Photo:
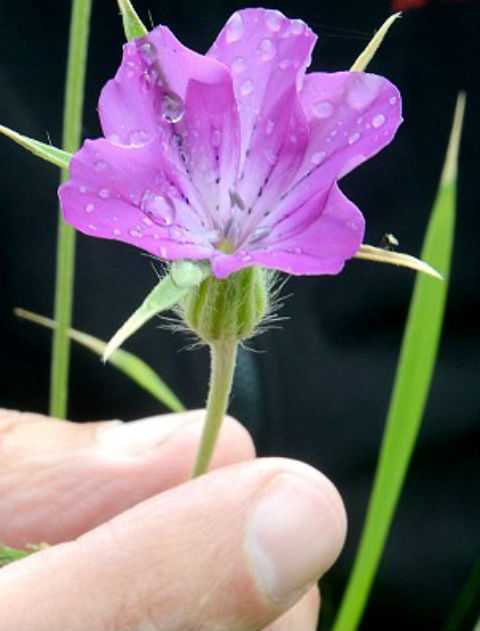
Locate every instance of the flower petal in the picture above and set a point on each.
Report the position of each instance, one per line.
(267, 54)
(352, 116)
(164, 90)
(320, 246)
(273, 163)
(150, 87)
(208, 141)
(132, 194)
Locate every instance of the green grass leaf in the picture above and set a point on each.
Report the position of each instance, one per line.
(58, 157)
(132, 24)
(183, 276)
(411, 387)
(9, 555)
(131, 365)
(466, 604)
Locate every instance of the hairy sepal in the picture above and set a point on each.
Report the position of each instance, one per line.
(58, 157)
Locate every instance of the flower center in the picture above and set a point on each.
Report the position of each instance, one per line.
(225, 246)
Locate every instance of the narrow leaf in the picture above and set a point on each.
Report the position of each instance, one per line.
(40, 149)
(170, 290)
(9, 555)
(132, 24)
(380, 255)
(411, 387)
(367, 55)
(131, 365)
(465, 608)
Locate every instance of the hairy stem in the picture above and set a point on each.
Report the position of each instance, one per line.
(223, 358)
(72, 125)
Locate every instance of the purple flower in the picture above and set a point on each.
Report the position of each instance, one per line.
(232, 156)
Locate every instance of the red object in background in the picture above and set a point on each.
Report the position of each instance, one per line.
(404, 5)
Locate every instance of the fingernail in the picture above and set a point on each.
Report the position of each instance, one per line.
(145, 433)
(293, 536)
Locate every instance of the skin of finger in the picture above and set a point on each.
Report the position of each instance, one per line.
(174, 562)
(301, 617)
(58, 480)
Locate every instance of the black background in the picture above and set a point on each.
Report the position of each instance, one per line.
(320, 388)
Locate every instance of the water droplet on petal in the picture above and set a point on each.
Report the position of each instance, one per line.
(260, 233)
(274, 20)
(353, 138)
(116, 232)
(266, 50)
(147, 52)
(104, 193)
(363, 90)
(318, 157)
(173, 108)
(378, 121)
(82, 189)
(351, 164)
(115, 139)
(89, 208)
(283, 65)
(297, 26)
(323, 109)
(163, 252)
(147, 221)
(246, 88)
(392, 100)
(138, 137)
(159, 208)
(246, 258)
(270, 156)
(269, 127)
(234, 28)
(216, 137)
(177, 234)
(239, 65)
(213, 236)
(353, 225)
(134, 232)
(92, 226)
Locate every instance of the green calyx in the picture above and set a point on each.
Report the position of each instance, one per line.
(229, 309)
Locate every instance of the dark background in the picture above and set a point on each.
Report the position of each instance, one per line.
(320, 388)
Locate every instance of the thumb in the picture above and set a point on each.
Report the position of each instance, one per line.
(233, 550)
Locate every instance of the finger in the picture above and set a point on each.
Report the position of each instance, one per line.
(303, 616)
(60, 479)
(233, 550)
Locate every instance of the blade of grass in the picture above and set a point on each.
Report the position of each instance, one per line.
(72, 124)
(132, 24)
(9, 555)
(467, 604)
(412, 383)
(131, 365)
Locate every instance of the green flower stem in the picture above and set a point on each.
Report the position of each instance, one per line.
(223, 358)
(72, 126)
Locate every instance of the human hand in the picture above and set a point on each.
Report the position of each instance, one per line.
(146, 549)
